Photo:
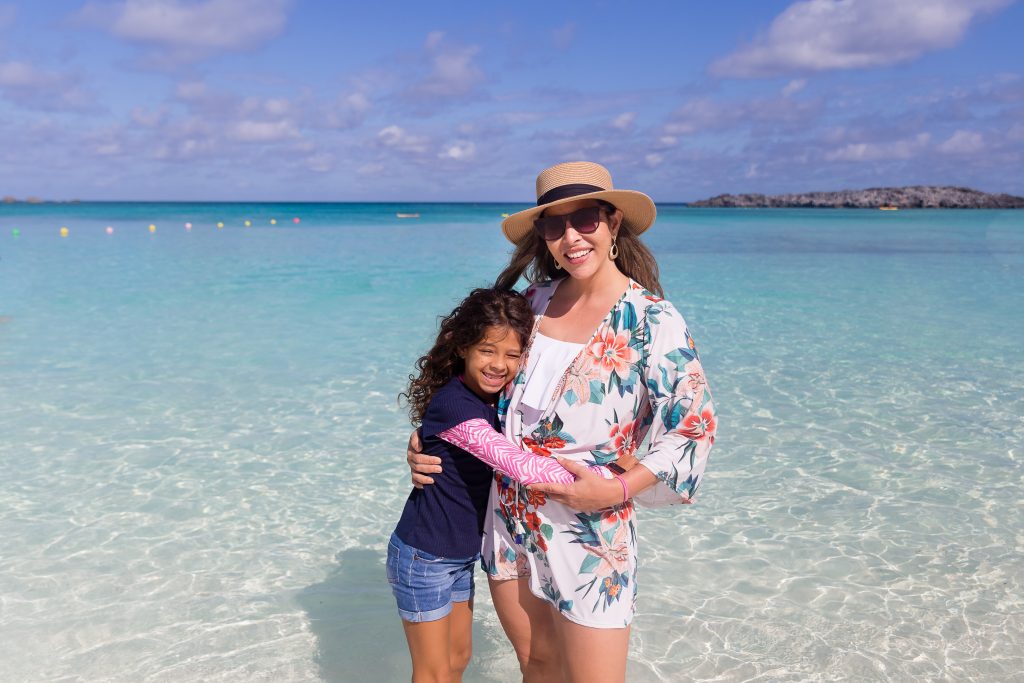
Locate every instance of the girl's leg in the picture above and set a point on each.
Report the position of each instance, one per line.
(429, 643)
(528, 622)
(441, 649)
(460, 639)
(593, 655)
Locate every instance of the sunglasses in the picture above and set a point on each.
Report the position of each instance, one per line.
(583, 221)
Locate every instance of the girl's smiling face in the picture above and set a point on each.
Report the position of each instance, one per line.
(492, 362)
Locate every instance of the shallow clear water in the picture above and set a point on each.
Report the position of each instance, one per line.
(201, 455)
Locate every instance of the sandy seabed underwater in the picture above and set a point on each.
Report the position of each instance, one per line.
(201, 454)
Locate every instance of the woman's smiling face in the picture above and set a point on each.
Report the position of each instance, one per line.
(580, 255)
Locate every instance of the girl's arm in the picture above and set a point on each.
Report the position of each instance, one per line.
(478, 438)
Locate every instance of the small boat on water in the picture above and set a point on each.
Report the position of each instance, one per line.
(407, 215)
(889, 208)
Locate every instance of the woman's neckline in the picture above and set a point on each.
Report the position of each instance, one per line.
(559, 341)
(604, 321)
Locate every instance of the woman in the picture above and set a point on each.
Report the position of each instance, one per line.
(609, 363)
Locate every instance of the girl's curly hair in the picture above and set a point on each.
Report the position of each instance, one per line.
(460, 329)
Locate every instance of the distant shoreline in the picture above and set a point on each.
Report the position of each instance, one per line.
(911, 197)
(892, 198)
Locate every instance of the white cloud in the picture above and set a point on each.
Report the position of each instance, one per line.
(398, 138)
(348, 110)
(705, 114)
(463, 150)
(191, 31)
(453, 73)
(702, 114)
(624, 121)
(794, 86)
(22, 75)
(263, 131)
(963, 142)
(821, 35)
(653, 160)
(906, 148)
(277, 106)
(34, 87)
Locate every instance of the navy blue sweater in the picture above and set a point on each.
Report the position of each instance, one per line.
(446, 518)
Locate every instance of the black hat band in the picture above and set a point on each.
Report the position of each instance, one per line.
(563, 191)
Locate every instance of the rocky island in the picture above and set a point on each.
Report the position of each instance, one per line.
(912, 197)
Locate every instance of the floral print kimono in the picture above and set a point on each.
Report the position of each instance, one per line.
(638, 375)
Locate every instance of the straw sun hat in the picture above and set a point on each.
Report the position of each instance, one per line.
(575, 180)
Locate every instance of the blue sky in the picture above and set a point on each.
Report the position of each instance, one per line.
(452, 100)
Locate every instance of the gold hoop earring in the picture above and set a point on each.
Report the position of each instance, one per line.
(613, 253)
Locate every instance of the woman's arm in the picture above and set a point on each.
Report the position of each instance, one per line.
(591, 492)
(421, 465)
(477, 437)
(684, 424)
(683, 430)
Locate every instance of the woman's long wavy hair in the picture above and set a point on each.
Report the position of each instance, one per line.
(531, 256)
(460, 329)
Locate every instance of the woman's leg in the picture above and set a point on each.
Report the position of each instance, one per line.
(528, 622)
(593, 655)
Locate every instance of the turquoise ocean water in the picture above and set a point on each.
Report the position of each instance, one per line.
(201, 454)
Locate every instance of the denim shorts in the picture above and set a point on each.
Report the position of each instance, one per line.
(426, 585)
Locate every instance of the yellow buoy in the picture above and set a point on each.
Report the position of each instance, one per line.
(248, 224)
(63, 232)
(504, 215)
(220, 225)
(152, 228)
(273, 221)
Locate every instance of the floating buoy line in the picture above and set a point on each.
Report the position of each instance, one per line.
(64, 231)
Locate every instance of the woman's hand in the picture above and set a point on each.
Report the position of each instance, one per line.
(590, 491)
(420, 465)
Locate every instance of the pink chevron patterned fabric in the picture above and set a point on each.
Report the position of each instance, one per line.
(479, 438)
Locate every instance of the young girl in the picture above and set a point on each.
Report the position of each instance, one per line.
(433, 550)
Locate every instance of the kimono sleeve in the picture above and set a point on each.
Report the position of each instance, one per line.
(683, 413)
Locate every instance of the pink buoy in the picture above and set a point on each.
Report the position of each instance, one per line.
(110, 230)
(295, 220)
(188, 226)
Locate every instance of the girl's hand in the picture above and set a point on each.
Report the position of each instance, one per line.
(589, 493)
(420, 465)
